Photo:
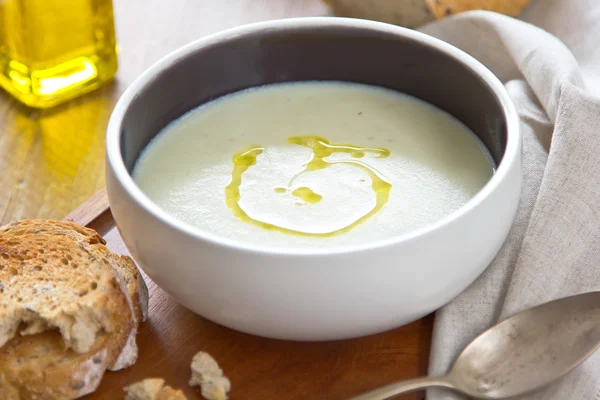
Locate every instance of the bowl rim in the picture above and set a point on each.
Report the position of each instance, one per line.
(114, 159)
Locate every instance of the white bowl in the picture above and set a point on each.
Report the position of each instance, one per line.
(315, 294)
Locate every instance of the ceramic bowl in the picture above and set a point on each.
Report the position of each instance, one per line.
(315, 294)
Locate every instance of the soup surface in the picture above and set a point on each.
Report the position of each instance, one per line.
(313, 164)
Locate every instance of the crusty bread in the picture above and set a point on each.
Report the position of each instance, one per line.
(152, 389)
(39, 367)
(126, 270)
(413, 13)
(50, 277)
(123, 265)
(208, 376)
(443, 8)
(408, 13)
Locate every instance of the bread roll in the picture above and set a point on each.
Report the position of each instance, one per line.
(413, 13)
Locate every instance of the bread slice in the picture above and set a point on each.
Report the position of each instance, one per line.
(126, 270)
(65, 277)
(39, 367)
(50, 278)
(152, 389)
(123, 265)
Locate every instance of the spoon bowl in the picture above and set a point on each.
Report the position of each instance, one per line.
(519, 355)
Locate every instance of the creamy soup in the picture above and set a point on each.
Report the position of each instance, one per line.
(313, 164)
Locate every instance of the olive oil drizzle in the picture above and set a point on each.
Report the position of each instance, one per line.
(307, 195)
(321, 149)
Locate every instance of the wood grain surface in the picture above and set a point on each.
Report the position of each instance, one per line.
(53, 160)
(259, 368)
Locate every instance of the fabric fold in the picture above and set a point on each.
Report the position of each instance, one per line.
(553, 249)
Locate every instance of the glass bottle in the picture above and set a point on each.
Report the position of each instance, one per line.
(54, 50)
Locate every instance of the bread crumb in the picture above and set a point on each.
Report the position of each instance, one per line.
(152, 389)
(144, 390)
(207, 375)
(168, 393)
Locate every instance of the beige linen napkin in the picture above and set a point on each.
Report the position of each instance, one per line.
(553, 249)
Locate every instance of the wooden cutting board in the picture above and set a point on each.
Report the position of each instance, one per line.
(259, 368)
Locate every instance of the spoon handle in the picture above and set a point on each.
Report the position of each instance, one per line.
(402, 387)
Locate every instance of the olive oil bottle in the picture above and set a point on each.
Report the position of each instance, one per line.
(54, 50)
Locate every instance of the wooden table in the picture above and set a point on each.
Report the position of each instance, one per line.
(51, 161)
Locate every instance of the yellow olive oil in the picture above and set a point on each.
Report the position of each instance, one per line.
(54, 50)
(321, 149)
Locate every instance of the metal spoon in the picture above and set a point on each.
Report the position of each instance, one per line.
(519, 355)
